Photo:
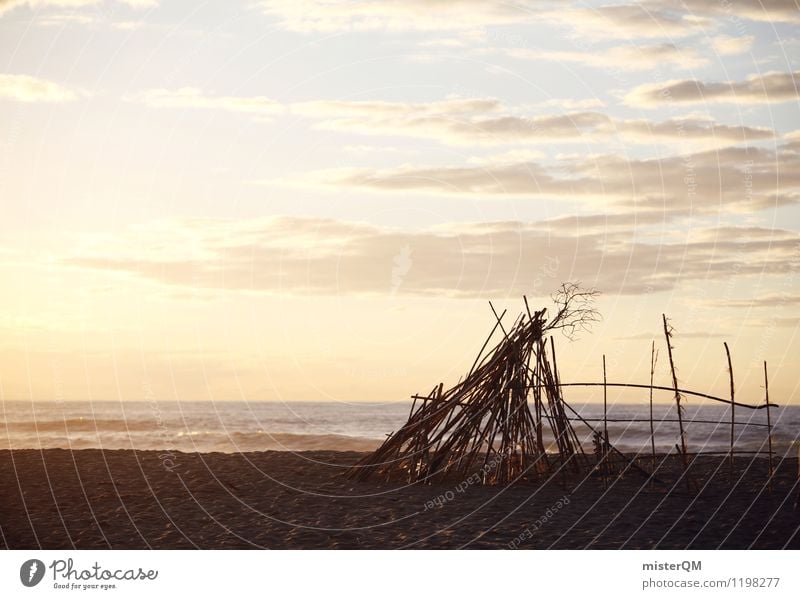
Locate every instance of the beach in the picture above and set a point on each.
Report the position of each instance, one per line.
(125, 499)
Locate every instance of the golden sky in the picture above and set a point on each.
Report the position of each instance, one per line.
(317, 199)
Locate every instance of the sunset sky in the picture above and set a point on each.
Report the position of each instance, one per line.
(317, 199)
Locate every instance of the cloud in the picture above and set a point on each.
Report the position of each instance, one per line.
(741, 179)
(190, 97)
(768, 300)
(639, 20)
(505, 128)
(24, 88)
(580, 224)
(359, 111)
(7, 5)
(463, 121)
(769, 87)
(792, 141)
(632, 21)
(382, 109)
(96, 19)
(670, 19)
(647, 19)
(491, 259)
(365, 15)
(569, 103)
(725, 45)
(774, 11)
(624, 58)
(689, 129)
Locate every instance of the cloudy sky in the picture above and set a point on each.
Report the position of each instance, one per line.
(317, 199)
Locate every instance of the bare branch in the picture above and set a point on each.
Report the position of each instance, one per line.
(575, 311)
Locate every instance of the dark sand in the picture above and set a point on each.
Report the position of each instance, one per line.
(57, 499)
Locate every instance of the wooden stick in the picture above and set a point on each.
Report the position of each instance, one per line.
(413, 405)
(733, 408)
(485, 343)
(560, 417)
(499, 319)
(769, 428)
(671, 389)
(555, 364)
(605, 425)
(527, 307)
(738, 422)
(605, 400)
(677, 399)
(652, 429)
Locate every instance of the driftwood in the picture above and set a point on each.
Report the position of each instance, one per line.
(733, 408)
(682, 447)
(672, 389)
(770, 472)
(653, 359)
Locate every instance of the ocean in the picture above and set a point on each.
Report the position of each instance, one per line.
(297, 426)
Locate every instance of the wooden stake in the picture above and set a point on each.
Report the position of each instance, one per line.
(605, 424)
(769, 428)
(677, 400)
(733, 410)
(605, 400)
(652, 429)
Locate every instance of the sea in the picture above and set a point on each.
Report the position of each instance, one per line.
(231, 426)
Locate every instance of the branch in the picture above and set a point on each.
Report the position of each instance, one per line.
(575, 311)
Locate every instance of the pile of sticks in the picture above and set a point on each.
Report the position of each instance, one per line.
(489, 424)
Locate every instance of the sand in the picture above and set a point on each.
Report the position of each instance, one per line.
(57, 499)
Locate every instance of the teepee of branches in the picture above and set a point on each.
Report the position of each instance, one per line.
(506, 419)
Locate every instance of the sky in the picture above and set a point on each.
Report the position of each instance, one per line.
(318, 199)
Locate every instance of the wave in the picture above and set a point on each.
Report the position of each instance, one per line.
(79, 424)
(192, 441)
